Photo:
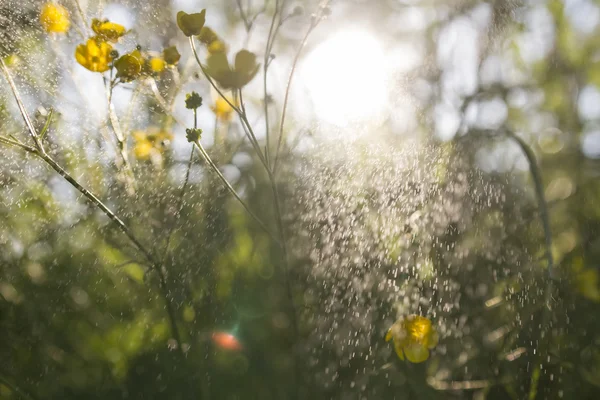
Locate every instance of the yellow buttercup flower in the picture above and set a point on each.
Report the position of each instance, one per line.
(94, 55)
(157, 64)
(150, 145)
(54, 18)
(413, 337)
(222, 109)
(108, 31)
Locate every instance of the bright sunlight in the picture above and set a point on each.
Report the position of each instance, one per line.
(346, 78)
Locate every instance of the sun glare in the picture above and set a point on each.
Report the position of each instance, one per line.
(345, 77)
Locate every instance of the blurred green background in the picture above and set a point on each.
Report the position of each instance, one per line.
(419, 205)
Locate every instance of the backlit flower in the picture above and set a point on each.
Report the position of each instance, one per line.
(413, 337)
(108, 31)
(236, 76)
(222, 109)
(213, 44)
(94, 55)
(151, 145)
(54, 18)
(191, 24)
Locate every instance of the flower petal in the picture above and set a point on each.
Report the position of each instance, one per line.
(416, 353)
(399, 351)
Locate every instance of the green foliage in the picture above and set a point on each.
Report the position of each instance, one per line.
(372, 236)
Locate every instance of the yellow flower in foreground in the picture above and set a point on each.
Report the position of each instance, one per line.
(413, 337)
(222, 109)
(94, 55)
(108, 31)
(54, 18)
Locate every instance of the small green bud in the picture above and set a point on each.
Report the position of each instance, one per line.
(193, 101)
(193, 135)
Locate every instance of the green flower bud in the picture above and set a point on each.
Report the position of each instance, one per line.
(193, 135)
(193, 101)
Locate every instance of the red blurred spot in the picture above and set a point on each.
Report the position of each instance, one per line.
(226, 341)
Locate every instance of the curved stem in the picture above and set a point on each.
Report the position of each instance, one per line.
(287, 93)
(121, 143)
(41, 153)
(245, 123)
(539, 191)
(545, 218)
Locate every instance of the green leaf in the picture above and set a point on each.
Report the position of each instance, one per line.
(47, 124)
(191, 24)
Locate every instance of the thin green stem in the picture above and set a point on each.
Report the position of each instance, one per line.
(245, 123)
(536, 175)
(218, 172)
(179, 206)
(266, 63)
(121, 142)
(11, 142)
(287, 93)
(21, 105)
(41, 153)
(46, 125)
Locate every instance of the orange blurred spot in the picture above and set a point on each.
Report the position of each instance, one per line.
(226, 341)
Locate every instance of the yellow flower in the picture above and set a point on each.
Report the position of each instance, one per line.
(216, 47)
(150, 145)
(94, 55)
(222, 109)
(588, 284)
(143, 150)
(108, 31)
(54, 18)
(157, 64)
(413, 337)
(129, 66)
(212, 41)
